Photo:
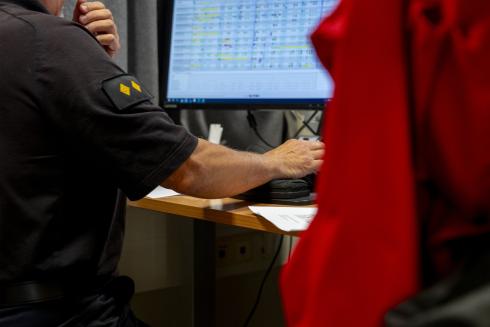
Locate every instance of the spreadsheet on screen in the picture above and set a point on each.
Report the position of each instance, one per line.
(246, 49)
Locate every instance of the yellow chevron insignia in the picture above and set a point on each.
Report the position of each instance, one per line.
(124, 92)
(136, 86)
(124, 89)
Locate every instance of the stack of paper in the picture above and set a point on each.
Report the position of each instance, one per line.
(287, 218)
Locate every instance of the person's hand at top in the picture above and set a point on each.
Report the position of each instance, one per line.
(295, 158)
(99, 21)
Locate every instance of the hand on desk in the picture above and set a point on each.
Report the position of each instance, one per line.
(214, 171)
(296, 159)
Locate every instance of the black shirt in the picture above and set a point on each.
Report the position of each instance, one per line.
(67, 143)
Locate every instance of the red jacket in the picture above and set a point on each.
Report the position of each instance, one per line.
(408, 145)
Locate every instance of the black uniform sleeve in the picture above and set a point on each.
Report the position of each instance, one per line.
(105, 113)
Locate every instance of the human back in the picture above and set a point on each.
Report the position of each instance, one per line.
(45, 172)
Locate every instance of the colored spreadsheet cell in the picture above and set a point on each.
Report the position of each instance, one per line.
(245, 35)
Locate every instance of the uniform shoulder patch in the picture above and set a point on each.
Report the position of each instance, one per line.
(125, 91)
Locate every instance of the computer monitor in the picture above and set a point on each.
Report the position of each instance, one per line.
(242, 54)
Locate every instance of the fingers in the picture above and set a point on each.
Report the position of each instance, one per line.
(296, 158)
(105, 26)
(90, 6)
(309, 144)
(107, 40)
(317, 164)
(106, 33)
(95, 15)
(318, 154)
(315, 145)
(99, 21)
(77, 12)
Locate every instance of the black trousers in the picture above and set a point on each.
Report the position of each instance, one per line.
(108, 307)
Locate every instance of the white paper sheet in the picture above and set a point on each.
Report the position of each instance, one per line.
(161, 192)
(287, 218)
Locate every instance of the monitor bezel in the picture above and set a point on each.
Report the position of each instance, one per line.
(165, 22)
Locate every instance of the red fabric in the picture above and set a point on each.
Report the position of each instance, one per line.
(360, 255)
(451, 60)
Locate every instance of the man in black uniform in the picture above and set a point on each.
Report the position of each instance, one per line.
(73, 125)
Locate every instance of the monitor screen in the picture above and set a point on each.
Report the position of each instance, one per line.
(244, 54)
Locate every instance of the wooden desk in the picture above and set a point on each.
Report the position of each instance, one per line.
(228, 211)
(206, 213)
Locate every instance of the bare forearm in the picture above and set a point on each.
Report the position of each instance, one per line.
(214, 171)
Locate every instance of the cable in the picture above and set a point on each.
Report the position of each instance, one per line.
(253, 125)
(306, 124)
(261, 288)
